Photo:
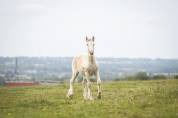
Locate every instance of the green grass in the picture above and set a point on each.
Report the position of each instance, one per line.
(121, 99)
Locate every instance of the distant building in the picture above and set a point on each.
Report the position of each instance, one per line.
(16, 66)
(15, 75)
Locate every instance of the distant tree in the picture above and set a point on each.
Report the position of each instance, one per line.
(138, 76)
(142, 76)
(2, 81)
(176, 77)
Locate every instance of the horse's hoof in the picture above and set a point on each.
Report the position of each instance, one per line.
(99, 96)
(70, 96)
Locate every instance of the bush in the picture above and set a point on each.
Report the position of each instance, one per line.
(136, 76)
(159, 77)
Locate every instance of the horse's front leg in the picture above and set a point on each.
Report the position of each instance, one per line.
(98, 83)
(71, 90)
(85, 88)
(89, 94)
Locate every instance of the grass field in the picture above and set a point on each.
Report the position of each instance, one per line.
(121, 99)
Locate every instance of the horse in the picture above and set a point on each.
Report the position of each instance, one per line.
(86, 65)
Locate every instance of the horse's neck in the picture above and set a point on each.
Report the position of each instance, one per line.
(91, 59)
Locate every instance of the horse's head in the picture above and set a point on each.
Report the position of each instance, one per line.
(90, 45)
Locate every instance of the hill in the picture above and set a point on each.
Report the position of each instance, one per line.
(57, 68)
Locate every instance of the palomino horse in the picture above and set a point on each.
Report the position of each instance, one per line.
(86, 65)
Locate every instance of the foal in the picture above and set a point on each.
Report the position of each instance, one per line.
(86, 65)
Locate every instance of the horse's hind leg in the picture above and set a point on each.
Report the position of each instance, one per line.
(71, 90)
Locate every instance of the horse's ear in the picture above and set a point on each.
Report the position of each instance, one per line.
(86, 39)
(93, 38)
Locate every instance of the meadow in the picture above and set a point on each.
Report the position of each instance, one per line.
(120, 99)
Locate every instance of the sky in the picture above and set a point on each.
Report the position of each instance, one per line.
(122, 28)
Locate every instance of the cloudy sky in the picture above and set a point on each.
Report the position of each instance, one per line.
(122, 28)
